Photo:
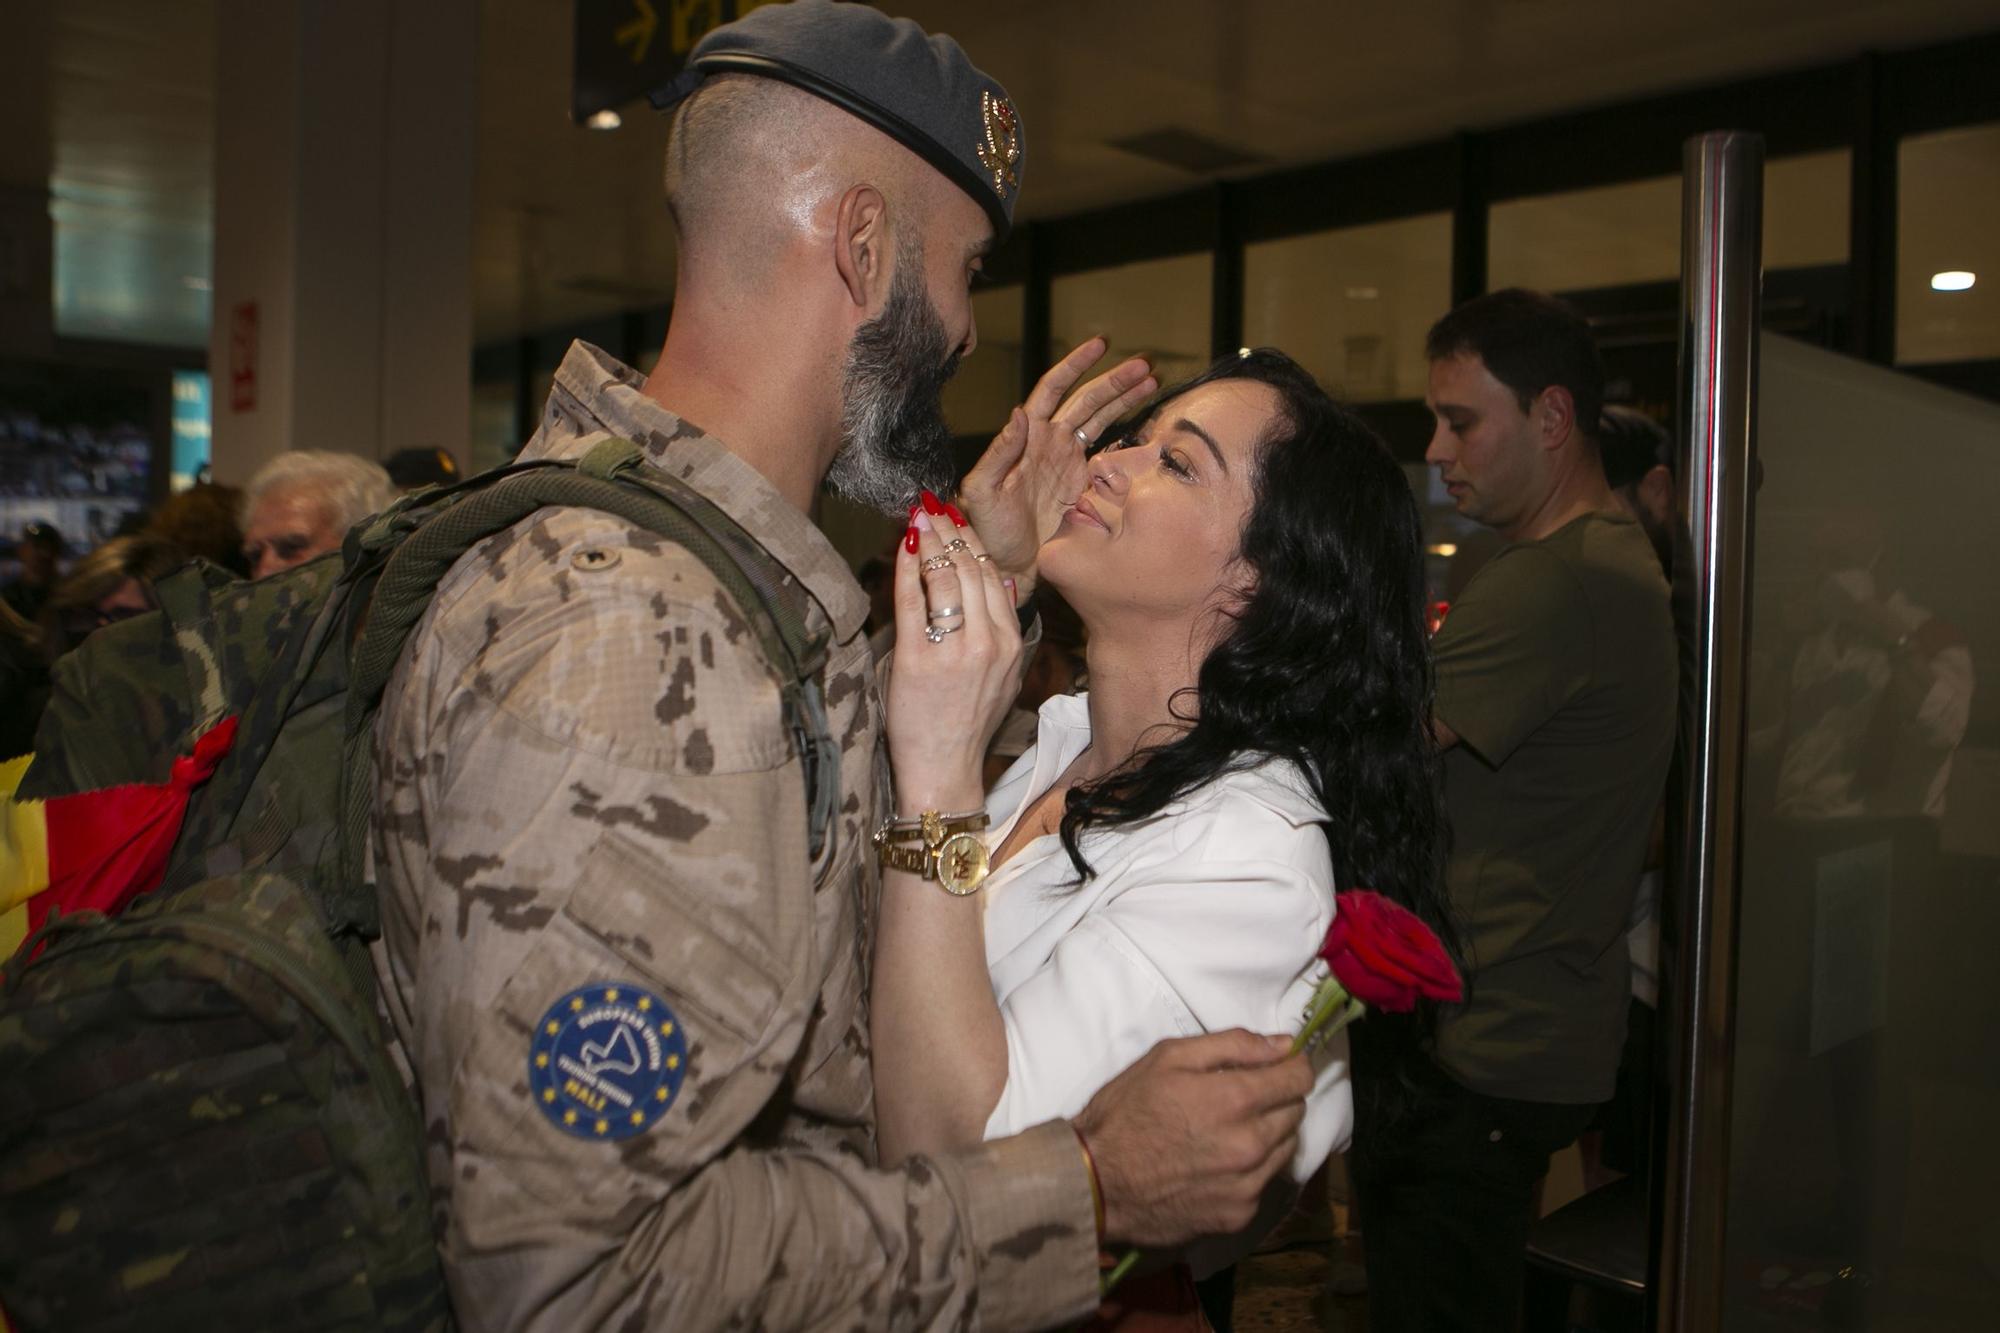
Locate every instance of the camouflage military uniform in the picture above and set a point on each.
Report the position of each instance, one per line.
(583, 781)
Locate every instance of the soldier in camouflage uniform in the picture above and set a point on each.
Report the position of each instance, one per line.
(634, 1009)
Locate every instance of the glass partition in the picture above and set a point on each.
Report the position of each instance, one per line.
(1352, 304)
(1866, 1076)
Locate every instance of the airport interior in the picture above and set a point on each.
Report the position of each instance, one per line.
(231, 229)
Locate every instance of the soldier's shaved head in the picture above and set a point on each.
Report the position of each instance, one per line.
(751, 162)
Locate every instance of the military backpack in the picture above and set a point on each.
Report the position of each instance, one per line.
(201, 1120)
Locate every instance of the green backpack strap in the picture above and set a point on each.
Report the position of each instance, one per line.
(425, 539)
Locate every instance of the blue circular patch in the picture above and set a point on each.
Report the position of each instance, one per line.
(607, 1060)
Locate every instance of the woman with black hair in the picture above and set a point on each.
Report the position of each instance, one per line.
(1247, 560)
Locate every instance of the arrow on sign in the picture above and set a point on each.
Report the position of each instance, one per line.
(638, 34)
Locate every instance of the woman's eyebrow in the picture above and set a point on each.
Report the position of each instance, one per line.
(1207, 439)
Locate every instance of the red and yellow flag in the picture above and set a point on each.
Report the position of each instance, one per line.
(97, 850)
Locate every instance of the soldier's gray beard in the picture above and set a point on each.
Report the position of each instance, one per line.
(892, 405)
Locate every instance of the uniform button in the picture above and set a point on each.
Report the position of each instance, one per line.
(593, 559)
(1494, 1137)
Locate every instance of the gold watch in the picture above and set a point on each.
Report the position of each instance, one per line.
(944, 849)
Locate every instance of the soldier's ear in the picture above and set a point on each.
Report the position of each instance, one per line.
(861, 250)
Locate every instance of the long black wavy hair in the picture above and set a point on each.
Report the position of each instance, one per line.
(1327, 662)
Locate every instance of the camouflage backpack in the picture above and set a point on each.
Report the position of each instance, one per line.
(201, 1124)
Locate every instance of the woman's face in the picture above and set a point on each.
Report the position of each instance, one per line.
(1157, 526)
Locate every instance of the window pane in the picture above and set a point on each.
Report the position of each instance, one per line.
(1620, 235)
(1805, 209)
(1352, 305)
(1949, 187)
(988, 382)
(1157, 308)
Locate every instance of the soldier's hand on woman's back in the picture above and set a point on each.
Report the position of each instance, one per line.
(1034, 470)
(1187, 1138)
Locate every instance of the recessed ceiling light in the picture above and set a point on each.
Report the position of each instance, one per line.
(194, 282)
(1952, 280)
(1363, 293)
(606, 119)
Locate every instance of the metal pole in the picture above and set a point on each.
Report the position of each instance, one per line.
(1721, 277)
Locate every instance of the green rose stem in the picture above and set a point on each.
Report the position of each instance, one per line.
(1331, 1004)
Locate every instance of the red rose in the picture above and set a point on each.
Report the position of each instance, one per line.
(1384, 956)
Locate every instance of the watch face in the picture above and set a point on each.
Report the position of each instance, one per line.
(961, 864)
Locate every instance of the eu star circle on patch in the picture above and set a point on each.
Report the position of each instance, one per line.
(606, 1061)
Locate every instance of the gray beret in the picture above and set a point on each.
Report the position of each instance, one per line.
(921, 91)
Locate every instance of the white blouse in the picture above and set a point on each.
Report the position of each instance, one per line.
(1205, 917)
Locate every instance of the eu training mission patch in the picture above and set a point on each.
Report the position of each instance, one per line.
(606, 1061)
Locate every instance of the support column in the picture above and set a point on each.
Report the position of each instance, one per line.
(27, 236)
(345, 148)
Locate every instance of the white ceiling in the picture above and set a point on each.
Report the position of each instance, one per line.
(568, 223)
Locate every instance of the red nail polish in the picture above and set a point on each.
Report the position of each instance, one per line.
(910, 540)
(956, 516)
(932, 505)
(913, 512)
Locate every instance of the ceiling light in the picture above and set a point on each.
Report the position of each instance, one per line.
(1445, 549)
(1363, 293)
(606, 119)
(1952, 280)
(194, 282)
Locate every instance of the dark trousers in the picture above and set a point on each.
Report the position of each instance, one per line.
(1445, 1186)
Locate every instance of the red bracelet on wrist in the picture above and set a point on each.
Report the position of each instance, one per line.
(1096, 1186)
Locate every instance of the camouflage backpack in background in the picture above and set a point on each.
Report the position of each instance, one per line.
(201, 1124)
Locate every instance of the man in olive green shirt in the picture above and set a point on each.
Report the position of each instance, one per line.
(1555, 711)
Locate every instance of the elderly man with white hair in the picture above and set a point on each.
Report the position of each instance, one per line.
(301, 503)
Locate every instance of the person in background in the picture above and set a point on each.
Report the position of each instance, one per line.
(112, 583)
(1881, 686)
(1637, 453)
(24, 682)
(301, 504)
(202, 522)
(39, 551)
(1555, 710)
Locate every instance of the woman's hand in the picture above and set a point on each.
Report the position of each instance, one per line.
(956, 668)
(1034, 468)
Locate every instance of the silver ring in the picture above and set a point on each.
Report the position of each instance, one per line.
(936, 634)
(937, 562)
(1081, 438)
(958, 544)
(947, 612)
